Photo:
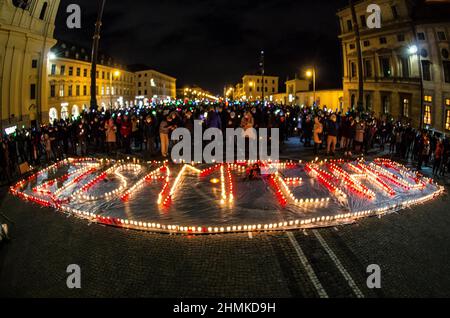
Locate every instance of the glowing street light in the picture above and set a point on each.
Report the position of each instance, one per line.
(413, 49)
(51, 56)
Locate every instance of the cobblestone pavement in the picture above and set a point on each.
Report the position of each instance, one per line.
(412, 248)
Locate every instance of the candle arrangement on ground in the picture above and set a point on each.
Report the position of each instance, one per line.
(225, 198)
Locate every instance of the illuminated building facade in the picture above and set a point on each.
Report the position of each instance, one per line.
(254, 87)
(409, 52)
(69, 80)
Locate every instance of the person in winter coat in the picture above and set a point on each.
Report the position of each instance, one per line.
(317, 134)
(110, 135)
(332, 130)
(125, 131)
(438, 154)
(150, 135)
(164, 131)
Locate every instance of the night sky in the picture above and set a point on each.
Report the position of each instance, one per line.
(212, 43)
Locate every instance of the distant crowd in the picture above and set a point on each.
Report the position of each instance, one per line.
(147, 130)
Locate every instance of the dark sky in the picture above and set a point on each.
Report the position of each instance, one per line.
(212, 43)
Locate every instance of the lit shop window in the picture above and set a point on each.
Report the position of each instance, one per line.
(53, 114)
(447, 119)
(405, 107)
(427, 117)
(428, 99)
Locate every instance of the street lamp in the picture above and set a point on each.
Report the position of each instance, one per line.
(312, 74)
(116, 75)
(414, 50)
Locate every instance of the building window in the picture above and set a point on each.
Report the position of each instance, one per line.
(446, 67)
(366, 43)
(353, 69)
(103, 75)
(352, 46)
(421, 36)
(428, 99)
(43, 11)
(400, 37)
(85, 72)
(96, 74)
(63, 70)
(394, 12)
(77, 90)
(103, 90)
(383, 40)
(363, 21)
(385, 67)
(405, 67)
(445, 54)
(353, 101)
(33, 91)
(426, 70)
(447, 102)
(53, 71)
(369, 105)
(386, 104)
(78, 71)
(441, 36)
(368, 67)
(34, 64)
(84, 90)
(427, 116)
(107, 90)
(405, 107)
(447, 119)
(69, 92)
(53, 115)
(70, 70)
(52, 90)
(349, 25)
(61, 90)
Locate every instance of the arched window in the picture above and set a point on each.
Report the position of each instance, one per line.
(75, 112)
(53, 115)
(43, 11)
(64, 112)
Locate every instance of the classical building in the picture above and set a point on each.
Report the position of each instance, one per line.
(299, 93)
(42, 79)
(26, 37)
(69, 80)
(253, 87)
(406, 63)
(152, 85)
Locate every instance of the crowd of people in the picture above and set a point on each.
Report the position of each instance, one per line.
(147, 130)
